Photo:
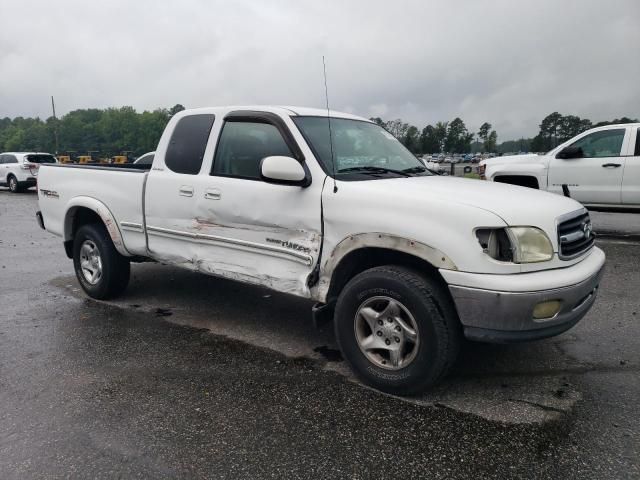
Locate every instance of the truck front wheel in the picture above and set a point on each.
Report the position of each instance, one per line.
(397, 329)
(102, 272)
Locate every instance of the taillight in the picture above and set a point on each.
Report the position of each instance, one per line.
(32, 167)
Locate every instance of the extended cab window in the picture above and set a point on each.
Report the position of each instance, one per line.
(606, 143)
(188, 143)
(243, 145)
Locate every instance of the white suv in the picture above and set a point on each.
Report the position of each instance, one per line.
(19, 171)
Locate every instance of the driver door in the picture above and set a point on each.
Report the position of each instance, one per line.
(595, 177)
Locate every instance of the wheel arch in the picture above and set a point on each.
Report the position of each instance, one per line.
(530, 181)
(84, 210)
(360, 252)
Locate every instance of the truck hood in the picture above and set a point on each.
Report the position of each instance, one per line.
(513, 159)
(513, 204)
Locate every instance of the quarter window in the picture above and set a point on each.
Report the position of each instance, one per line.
(606, 143)
(637, 152)
(243, 145)
(188, 143)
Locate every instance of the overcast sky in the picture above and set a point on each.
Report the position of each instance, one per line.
(507, 62)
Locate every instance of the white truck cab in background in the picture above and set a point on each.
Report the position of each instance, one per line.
(598, 168)
(403, 260)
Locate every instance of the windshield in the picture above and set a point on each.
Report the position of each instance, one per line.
(361, 150)
(40, 158)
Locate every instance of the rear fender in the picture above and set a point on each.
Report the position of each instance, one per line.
(105, 215)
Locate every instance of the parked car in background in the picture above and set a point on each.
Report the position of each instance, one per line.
(19, 170)
(431, 165)
(599, 168)
(146, 159)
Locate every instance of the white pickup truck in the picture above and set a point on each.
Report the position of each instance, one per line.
(600, 168)
(404, 261)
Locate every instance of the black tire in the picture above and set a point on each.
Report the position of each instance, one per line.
(431, 307)
(115, 268)
(14, 186)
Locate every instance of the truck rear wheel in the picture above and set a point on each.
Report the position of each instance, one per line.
(397, 329)
(102, 272)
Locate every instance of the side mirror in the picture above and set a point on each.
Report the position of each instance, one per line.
(570, 152)
(284, 171)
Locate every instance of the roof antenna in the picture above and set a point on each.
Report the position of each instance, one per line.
(326, 96)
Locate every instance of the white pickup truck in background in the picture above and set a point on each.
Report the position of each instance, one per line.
(600, 168)
(405, 262)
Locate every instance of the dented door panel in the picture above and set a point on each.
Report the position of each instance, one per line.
(258, 232)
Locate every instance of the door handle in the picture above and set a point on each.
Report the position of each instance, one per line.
(611, 165)
(186, 191)
(212, 194)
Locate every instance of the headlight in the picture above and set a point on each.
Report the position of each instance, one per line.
(515, 244)
(531, 245)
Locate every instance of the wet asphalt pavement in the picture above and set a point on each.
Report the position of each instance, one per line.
(189, 376)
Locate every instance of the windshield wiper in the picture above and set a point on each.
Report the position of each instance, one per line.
(374, 170)
(416, 169)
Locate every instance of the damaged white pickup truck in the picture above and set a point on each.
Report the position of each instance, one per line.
(333, 208)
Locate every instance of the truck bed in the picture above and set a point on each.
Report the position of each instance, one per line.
(116, 190)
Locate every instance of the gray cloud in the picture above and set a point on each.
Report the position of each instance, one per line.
(506, 62)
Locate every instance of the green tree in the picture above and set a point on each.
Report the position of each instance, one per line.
(488, 137)
(175, 109)
(458, 138)
(411, 139)
(429, 142)
(440, 132)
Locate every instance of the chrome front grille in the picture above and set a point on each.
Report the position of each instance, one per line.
(575, 235)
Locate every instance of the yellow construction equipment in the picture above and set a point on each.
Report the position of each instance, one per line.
(84, 159)
(119, 159)
(64, 158)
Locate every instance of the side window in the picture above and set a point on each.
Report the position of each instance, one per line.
(188, 143)
(606, 143)
(1, 159)
(637, 152)
(243, 145)
(10, 159)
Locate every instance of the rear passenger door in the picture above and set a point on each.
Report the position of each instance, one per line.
(172, 190)
(631, 175)
(251, 230)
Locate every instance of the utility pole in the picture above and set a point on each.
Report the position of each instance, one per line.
(55, 123)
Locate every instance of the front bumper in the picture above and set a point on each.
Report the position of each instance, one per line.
(504, 315)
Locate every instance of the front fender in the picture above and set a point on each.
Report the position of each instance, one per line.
(376, 240)
(77, 203)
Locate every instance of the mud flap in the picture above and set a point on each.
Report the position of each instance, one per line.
(322, 313)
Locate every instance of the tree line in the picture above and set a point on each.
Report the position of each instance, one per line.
(454, 137)
(113, 131)
(442, 137)
(101, 132)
